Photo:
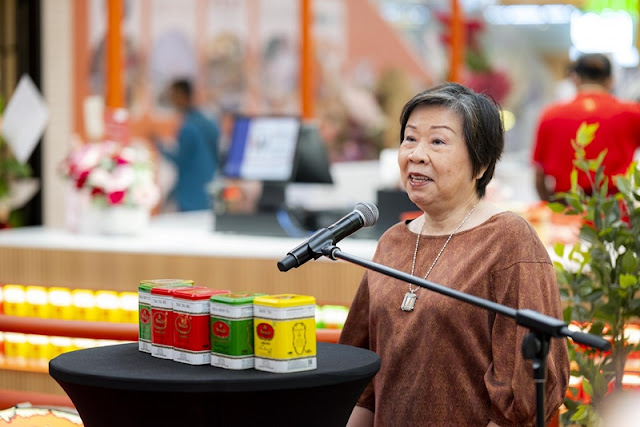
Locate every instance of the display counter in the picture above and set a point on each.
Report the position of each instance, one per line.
(177, 245)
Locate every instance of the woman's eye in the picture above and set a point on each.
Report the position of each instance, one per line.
(438, 141)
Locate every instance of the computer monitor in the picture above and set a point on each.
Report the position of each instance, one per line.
(276, 150)
(263, 148)
(312, 158)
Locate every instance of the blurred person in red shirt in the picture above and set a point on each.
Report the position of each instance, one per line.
(618, 131)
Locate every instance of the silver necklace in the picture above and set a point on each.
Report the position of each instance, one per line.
(409, 301)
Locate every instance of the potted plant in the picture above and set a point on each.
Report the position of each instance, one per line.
(598, 277)
(12, 173)
(118, 182)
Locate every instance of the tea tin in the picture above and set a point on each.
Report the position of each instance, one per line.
(232, 330)
(191, 340)
(284, 333)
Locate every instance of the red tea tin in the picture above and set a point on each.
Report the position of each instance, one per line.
(162, 320)
(191, 339)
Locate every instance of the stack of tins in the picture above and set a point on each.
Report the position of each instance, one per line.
(163, 318)
(144, 307)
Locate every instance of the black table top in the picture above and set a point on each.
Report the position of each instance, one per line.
(124, 367)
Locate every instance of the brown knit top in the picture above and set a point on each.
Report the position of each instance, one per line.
(449, 362)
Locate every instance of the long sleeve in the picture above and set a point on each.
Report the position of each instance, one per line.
(356, 333)
(509, 378)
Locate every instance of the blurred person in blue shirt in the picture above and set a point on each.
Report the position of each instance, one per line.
(195, 154)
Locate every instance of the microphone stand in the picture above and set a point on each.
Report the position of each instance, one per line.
(535, 345)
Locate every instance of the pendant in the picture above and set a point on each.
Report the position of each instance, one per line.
(409, 301)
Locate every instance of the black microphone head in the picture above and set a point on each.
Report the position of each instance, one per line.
(369, 213)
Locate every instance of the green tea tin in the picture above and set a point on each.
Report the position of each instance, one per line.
(232, 330)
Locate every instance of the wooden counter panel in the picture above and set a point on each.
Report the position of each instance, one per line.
(40, 382)
(331, 282)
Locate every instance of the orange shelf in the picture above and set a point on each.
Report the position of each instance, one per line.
(69, 328)
(29, 366)
(99, 330)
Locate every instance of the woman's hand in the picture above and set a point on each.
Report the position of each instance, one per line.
(360, 417)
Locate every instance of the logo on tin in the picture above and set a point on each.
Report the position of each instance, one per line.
(299, 337)
(220, 329)
(183, 324)
(159, 321)
(265, 331)
(145, 315)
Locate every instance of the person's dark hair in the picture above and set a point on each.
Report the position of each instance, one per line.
(481, 124)
(183, 86)
(594, 67)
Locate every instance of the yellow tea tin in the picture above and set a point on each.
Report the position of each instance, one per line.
(284, 333)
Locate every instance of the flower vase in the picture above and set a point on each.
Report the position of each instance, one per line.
(125, 220)
(89, 219)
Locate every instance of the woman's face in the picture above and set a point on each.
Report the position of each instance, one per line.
(434, 161)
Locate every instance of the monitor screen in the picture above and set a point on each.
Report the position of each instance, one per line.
(263, 148)
(312, 157)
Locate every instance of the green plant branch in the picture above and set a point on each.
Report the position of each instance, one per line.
(599, 277)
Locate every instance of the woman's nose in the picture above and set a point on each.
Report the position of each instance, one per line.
(419, 154)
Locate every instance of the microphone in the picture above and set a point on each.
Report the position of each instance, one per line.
(364, 214)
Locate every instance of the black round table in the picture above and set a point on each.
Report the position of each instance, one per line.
(120, 386)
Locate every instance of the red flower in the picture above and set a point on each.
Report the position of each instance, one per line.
(82, 179)
(116, 197)
(97, 192)
(121, 161)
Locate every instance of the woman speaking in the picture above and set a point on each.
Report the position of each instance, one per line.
(446, 362)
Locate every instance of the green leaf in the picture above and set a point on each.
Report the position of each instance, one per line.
(627, 280)
(600, 158)
(575, 203)
(573, 176)
(624, 185)
(556, 207)
(595, 296)
(589, 235)
(566, 314)
(572, 405)
(604, 189)
(629, 262)
(586, 133)
(600, 386)
(596, 328)
(636, 172)
(581, 413)
(583, 165)
(588, 389)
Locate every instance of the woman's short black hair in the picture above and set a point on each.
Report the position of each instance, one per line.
(481, 124)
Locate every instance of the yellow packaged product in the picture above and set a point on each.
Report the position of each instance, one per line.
(284, 333)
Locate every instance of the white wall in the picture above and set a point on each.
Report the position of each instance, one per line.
(57, 78)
